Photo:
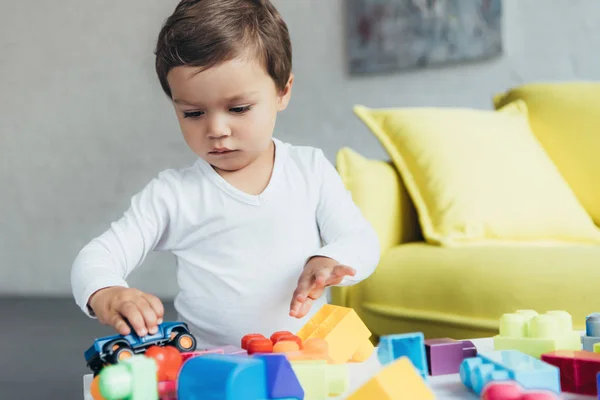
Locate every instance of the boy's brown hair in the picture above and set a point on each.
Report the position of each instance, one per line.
(205, 33)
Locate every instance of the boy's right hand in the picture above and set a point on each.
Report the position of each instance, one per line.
(116, 305)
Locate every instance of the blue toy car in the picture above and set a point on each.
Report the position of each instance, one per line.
(112, 349)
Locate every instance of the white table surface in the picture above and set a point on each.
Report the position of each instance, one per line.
(446, 387)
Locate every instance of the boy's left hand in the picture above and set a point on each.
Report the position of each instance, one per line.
(319, 272)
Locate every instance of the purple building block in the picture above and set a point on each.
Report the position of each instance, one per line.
(444, 356)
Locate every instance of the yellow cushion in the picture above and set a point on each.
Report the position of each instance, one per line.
(564, 117)
(376, 189)
(461, 292)
(479, 176)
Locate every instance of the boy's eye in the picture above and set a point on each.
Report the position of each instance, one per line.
(240, 110)
(192, 114)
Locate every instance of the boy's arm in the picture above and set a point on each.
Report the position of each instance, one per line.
(348, 237)
(108, 259)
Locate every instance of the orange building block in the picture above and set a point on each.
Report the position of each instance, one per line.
(345, 333)
(399, 380)
(314, 349)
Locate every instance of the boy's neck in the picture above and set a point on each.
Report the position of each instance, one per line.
(254, 178)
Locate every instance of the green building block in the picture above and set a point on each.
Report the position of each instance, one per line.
(321, 380)
(132, 379)
(535, 334)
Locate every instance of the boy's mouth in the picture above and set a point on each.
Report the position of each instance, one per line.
(221, 151)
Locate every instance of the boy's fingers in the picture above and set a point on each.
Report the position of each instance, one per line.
(299, 297)
(338, 274)
(321, 278)
(156, 305)
(149, 315)
(305, 308)
(131, 312)
(343, 270)
(117, 322)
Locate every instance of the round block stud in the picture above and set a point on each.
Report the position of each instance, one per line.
(250, 337)
(290, 337)
(544, 326)
(505, 390)
(115, 382)
(285, 346)
(260, 345)
(592, 325)
(466, 370)
(275, 337)
(528, 314)
(481, 376)
(565, 321)
(513, 325)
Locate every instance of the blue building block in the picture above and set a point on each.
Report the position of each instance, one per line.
(222, 377)
(528, 371)
(282, 382)
(411, 345)
(592, 332)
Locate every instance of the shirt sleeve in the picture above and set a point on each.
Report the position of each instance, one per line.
(109, 258)
(347, 236)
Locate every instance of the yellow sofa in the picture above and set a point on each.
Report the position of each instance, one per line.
(461, 291)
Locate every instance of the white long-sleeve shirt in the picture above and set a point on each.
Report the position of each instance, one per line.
(239, 256)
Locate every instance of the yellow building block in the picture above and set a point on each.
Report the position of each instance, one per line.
(535, 334)
(596, 347)
(397, 381)
(344, 332)
(320, 380)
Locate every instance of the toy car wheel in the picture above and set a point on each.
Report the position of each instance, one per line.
(184, 342)
(121, 352)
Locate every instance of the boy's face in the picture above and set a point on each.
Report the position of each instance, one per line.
(227, 113)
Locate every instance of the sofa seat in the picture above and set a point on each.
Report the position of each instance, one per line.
(461, 292)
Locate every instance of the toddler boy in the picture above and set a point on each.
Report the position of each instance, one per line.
(259, 227)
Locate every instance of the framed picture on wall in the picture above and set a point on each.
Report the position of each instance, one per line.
(388, 35)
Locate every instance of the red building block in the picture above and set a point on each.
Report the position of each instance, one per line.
(511, 390)
(578, 370)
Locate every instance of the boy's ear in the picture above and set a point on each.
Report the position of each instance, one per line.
(285, 94)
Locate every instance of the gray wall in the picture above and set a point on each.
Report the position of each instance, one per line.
(84, 125)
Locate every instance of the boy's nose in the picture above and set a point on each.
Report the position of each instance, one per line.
(217, 128)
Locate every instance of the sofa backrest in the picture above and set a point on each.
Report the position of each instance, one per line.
(564, 117)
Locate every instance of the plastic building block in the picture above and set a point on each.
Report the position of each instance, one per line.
(314, 349)
(592, 332)
(398, 380)
(225, 377)
(445, 355)
(112, 349)
(281, 379)
(132, 379)
(168, 361)
(534, 334)
(345, 333)
(167, 390)
(409, 345)
(258, 343)
(596, 347)
(320, 380)
(510, 390)
(502, 365)
(187, 355)
(95, 389)
(231, 350)
(578, 370)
